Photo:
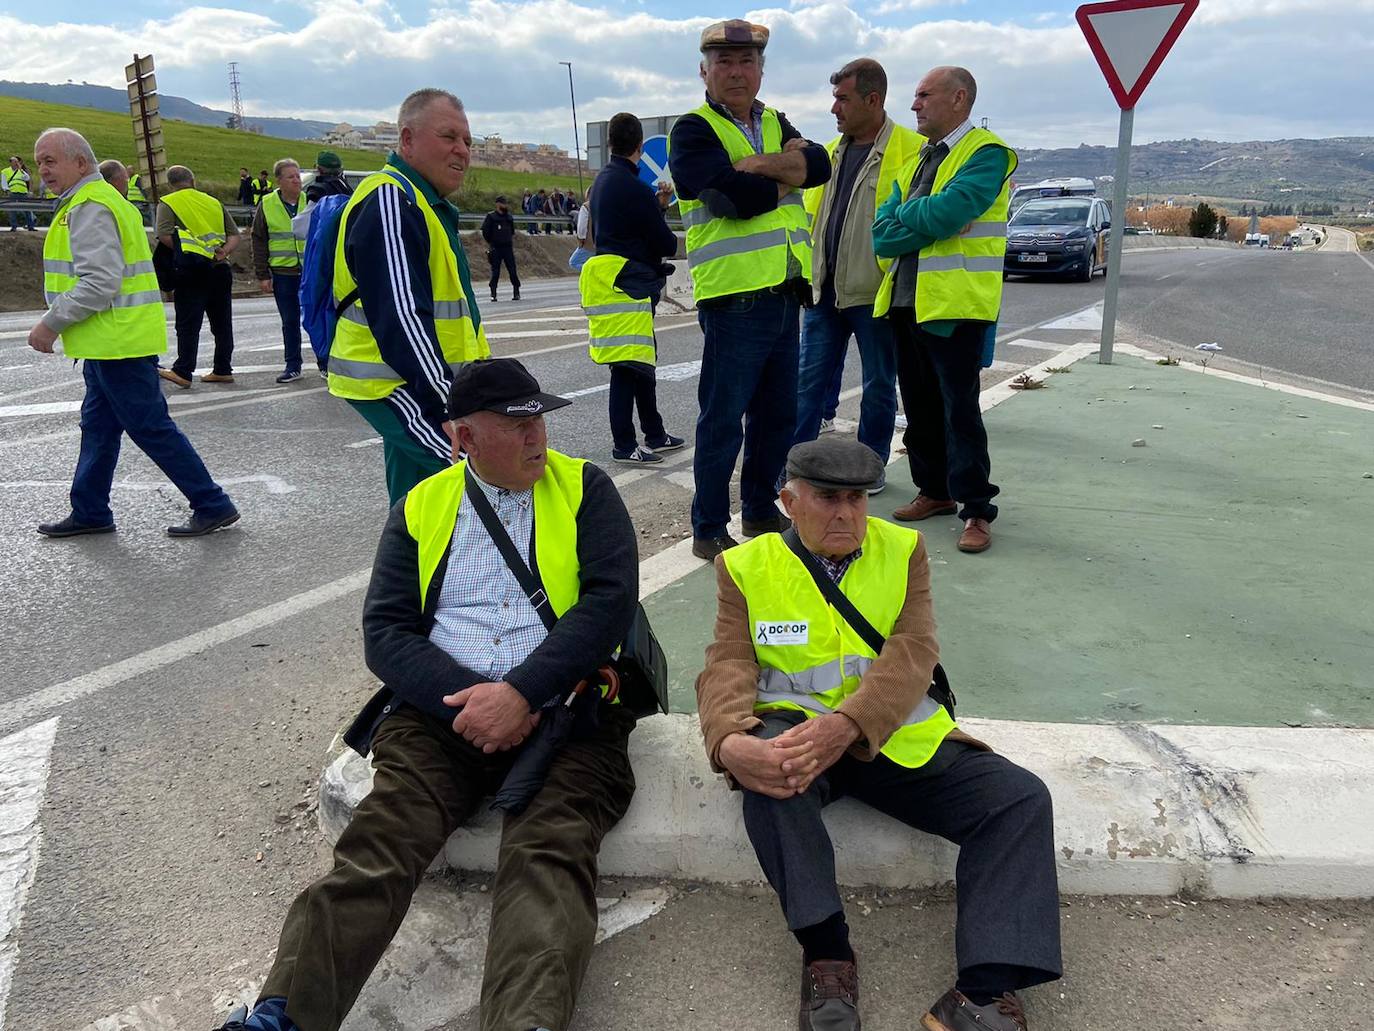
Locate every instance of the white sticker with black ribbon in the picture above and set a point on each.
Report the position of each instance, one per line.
(787, 632)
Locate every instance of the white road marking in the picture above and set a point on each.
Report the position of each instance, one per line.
(369, 442)
(1166, 276)
(175, 401)
(38, 703)
(517, 321)
(1042, 345)
(1087, 318)
(274, 485)
(24, 759)
(668, 328)
(12, 368)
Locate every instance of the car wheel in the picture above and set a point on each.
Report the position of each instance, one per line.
(1086, 275)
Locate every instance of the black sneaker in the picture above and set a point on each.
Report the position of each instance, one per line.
(773, 524)
(515, 296)
(199, 525)
(493, 298)
(669, 443)
(709, 547)
(236, 1020)
(289, 377)
(639, 456)
(69, 527)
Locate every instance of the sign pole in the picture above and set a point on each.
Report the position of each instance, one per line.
(147, 134)
(1123, 171)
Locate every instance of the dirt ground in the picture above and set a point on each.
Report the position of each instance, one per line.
(21, 264)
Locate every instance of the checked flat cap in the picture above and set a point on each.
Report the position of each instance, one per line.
(835, 463)
(734, 33)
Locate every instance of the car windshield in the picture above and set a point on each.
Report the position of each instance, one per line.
(1051, 213)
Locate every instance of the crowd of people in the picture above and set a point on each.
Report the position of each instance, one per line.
(506, 577)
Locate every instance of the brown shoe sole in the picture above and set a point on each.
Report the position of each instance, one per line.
(950, 510)
(974, 549)
(214, 377)
(173, 378)
(933, 1023)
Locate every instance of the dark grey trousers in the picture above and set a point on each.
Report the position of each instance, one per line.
(998, 814)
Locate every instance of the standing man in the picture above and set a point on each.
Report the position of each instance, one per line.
(104, 304)
(498, 230)
(14, 183)
(329, 178)
(527, 206)
(201, 235)
(583, 231)
(114, 173)
(248, 195)
(135, 193)
(866, 159)
(621, 287)
(800, 720)
(277, 254)
(408, 317)
(262, 186)
(737, 166)
(946, 224)
(457, 708)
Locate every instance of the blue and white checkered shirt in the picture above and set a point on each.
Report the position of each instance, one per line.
(484, 620)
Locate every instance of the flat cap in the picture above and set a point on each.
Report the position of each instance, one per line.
(734, 33)
(836, 463)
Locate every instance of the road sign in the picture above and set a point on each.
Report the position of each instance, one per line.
(653, 163)
(1130, 38)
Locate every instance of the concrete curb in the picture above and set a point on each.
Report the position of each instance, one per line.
(1232, 812)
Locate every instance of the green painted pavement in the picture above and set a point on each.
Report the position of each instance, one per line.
(1222, 574)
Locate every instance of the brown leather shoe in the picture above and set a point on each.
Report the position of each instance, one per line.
(953, 1011)
(172, 377)
(829, 996)
(217, 377)
(922, 507)
(977, 536)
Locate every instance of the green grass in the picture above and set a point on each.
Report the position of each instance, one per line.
(216, 155)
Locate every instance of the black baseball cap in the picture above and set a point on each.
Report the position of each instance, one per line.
(502, 199)
(500, 385)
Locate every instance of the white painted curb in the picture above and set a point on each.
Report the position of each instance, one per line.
(1233, 812)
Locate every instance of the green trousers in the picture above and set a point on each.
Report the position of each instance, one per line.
(409, 458)
(428, 782)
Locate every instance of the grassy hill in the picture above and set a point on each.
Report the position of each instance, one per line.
(216, 155)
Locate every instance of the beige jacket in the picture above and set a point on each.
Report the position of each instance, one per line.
(858, 277)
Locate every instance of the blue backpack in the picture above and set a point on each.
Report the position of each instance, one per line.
(319, 313)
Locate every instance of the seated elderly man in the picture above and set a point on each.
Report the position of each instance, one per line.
(799, 710)
(471, 672)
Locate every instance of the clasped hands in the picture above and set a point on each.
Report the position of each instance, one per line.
(495, 717)
(783, 766)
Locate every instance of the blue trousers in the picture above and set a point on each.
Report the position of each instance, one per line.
(824, 339)
(999, 815)
(287, 292)
(747, 395)
(124, 395)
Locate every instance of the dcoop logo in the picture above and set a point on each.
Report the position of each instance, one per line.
(786, 632)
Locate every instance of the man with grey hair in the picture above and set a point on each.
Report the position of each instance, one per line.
(114, 173)
(408, 317)
(277, 255)
(201, 235)
(104, 303)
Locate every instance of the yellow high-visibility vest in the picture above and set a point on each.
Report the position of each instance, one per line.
(810, 660)
(135, 193)
(959, 277)
(134, 325)
(356, 367)
(620, 328)
(202, 221)
(739, 255)
(284, 248)
(14, 180)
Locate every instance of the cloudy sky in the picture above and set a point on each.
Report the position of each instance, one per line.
(1244, 69)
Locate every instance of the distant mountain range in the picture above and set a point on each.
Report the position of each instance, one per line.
(103, 98)
(1338, 171)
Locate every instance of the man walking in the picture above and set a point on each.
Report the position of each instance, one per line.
(620, 289)
(737, 166)
(946, 224)
(201, 235)
(866, 159)
(277, 253)
(498, 230)
(104, 303)
(408, 318)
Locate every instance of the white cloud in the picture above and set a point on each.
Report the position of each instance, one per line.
(1038, 85)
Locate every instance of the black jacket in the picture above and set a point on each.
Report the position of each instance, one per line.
(629, 221)
(418, 673)
(498, 229)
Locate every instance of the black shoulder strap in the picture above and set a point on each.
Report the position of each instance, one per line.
(832, 593)
(529, 583)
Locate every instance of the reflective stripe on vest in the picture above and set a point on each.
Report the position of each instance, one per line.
(739, 255)
(824, 660)
(134, 325)
(284, 247)
(959, 277)
(202, 221)
(356, 368)
(620, 328)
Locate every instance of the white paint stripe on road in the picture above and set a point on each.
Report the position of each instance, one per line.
(274, 485)
(1089, 318)
(670, 327)
(518, 321)
(369, 442)
(1167, 276)
(12, 368)
(38, 703)
(1040, 345)
(175, 401)
(24, 759)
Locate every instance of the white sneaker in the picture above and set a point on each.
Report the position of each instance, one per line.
(827, 426)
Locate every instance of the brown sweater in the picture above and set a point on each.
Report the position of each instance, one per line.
(892, 687)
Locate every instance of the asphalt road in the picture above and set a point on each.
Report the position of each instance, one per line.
(198, 684)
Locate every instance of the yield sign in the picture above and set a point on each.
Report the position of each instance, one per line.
(1129, 38)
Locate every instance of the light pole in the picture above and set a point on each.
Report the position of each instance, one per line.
(577, 143)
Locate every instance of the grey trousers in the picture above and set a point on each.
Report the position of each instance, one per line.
(998, 814)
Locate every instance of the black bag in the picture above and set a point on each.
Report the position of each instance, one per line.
(939, 684)
(640, 666)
